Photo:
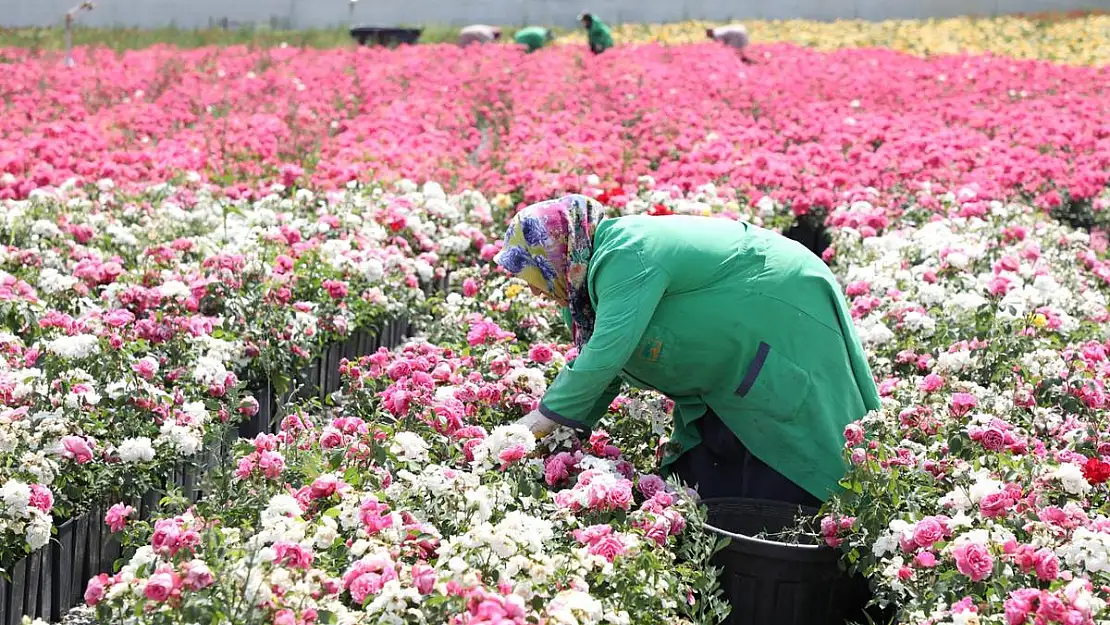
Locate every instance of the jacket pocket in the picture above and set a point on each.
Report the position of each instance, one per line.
(652, 365)
(774, 385)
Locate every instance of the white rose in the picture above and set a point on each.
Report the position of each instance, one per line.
(138, 449)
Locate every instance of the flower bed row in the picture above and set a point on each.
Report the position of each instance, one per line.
(1075, 39)
(134, 337)
(801, 127)
(50, 581)
(411, 502)
(978, 494)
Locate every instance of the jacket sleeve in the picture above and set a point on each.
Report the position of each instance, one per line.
(628, 290)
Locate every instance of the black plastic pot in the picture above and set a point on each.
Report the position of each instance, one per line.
(811, 234)
(390, 37)
(776, 583)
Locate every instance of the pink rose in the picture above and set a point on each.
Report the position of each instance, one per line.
(244, 467)
(159, 587)
(271, 463)
(511, 455)
(619, 496)
(330, 438)
(592, 533)
(1051, 609)
(166, 535)
(77, 449)
(324, 486)
(658, 532)
(992, 439)
(541, 354)
(470, 287)
(335, 288)
(995, 505)
(974, 561)
(1019, 606)
(118, 318)
(554, 469)
(145, 367)
(398, 370)
(962, 403)
(369, 584)
(41, 498)
(967, 604)
(116, 518)
(248, 406)
(608, 547)
(925, 559)
(1047, 566)
(488, 251)
(293, 555)
(94, 591)
(567, 499)
(853, 433)
(285, 616)
(927, 532)
(423, 578)
(931, 382)
(198, 576)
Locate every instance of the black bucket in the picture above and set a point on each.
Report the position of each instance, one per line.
(389, 37)
(775, 583)
(811, 233)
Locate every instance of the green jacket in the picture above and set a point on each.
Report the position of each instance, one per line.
(534, 37)
(599, 36)
(719, 313)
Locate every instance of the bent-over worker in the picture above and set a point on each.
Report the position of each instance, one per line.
(747, 331)
(478, 33)
(597, 33)
(533, 37)
(734, 35)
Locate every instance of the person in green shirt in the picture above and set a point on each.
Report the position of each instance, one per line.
(747, 331)
(533, 37)
(597, 32)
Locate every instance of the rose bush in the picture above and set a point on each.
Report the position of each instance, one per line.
(979, 492)
(132, 335)
(411, 503)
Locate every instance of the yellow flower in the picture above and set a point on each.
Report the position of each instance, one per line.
(1039, 320)
(512, 291)
(502, 201)
(1068, 38)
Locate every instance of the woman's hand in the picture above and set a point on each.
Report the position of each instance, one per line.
(539, 425)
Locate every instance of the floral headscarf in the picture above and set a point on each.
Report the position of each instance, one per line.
(549, 245)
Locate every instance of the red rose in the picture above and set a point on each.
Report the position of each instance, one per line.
(1096, 471)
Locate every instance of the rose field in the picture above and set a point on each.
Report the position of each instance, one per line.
(256, 364)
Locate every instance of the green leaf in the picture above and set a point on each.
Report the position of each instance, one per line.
(955, 444)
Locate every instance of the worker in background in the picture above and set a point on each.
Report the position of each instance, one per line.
(747, 331)
(534, 37)
(479, 33)
(597, 32)
(734, 36)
